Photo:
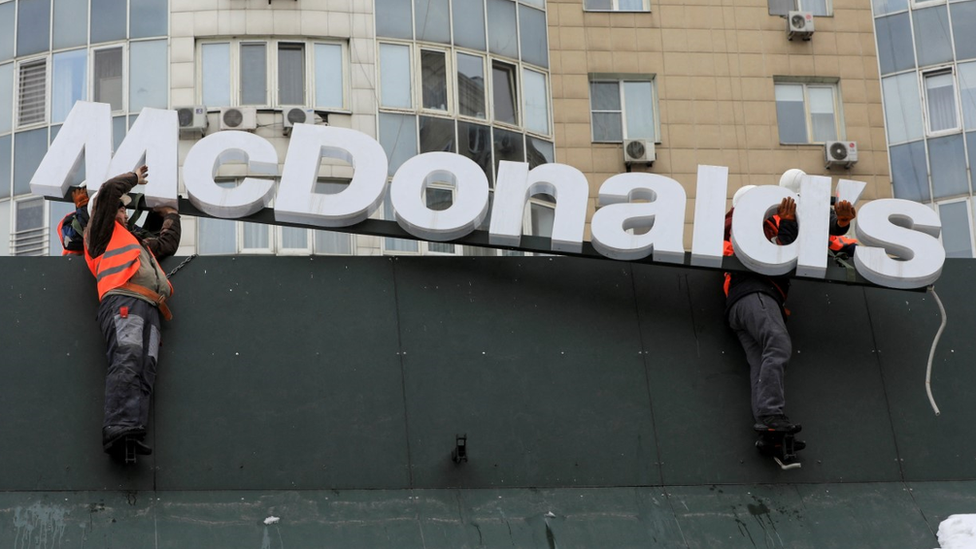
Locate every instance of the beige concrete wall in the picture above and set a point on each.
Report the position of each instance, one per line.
(715, 61)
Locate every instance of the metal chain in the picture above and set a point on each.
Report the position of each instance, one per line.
(181, 265)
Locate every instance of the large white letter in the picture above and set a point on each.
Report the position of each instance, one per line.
(205, 158)
(905, 229)
(514, 186)
(297, 201)
(748, 238)
(152, 140)
(408, 193)
(663, 215)
(709, 232)
(87, 131)
(813, 215)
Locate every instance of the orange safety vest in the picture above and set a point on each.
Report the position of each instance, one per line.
(119, 263)
(837, 243)
(65, 251)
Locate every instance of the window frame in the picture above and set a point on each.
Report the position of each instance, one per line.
(839, 125)
(830, 8)
(917, 4)
(615, 8)
(484, 96)
(42, 232)
(450, 69)
(957, 103)
(125, 73)
(620, 80)
(46, 117)
(414, 78)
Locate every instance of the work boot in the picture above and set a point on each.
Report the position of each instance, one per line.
(778, 424)
(116, 433)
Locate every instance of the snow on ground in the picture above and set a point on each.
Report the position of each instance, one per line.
(958, 532)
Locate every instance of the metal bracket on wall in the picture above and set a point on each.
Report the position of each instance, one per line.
(460, 452)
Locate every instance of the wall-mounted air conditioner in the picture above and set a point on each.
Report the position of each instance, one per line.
(638, 151)
(192, 119)
(840, 153)
(238, 118)
(799, 24)
(292, 115)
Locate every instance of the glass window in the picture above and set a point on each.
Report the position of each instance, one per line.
(956, 232)
(148, 80)
(5, 166)
(256, 237)
(508, 146)
(932, 40)
(471, 85)
(108, 20)
(436, 134)
(940, 101)
(967, 91)
(541, 217)
(790, 113)
(4, 229)
(294, 239)
(6, 97)
(606, 111)
(29, 148)
(806, 113)
(469, 24)
(394, 19)
(822, 118)
(439, 199)
(395, 76)
(964, 29)
(32, 92)
(817, 7)
(291, 74)
(330, 242)
(69, 82)
(69, 29)
(215, 74)
(57, 213)
(948, 163)
(396, 244)
(882, 7)
(433, 79)
(502, 38)
(398, 136)
(598, 5)
(254, 74)
(216, 236)
(539, 152)
(33, 26)
(895, 50)
(536, 101)
(7, 21)
(532, 29)
(909, 172)
(432, 24)
(119, 129)
(971, 147)
(329, 76)
(903, 107)
(474, 142)
(639, 110)
(623, 5)
(504, 92)
(147, 18)
(620, 110)
(29, 228)
(107, 77)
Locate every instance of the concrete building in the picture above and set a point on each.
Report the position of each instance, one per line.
(567, 81)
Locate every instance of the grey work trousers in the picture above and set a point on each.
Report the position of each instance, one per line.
(131, 329)
(758, 322)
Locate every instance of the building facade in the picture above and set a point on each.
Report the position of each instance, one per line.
(569, 81)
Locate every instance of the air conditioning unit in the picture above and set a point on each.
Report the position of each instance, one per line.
(238, 118)
(192, 119)
(799, 24)
(840, 153)
(297, 115)
(638, 151)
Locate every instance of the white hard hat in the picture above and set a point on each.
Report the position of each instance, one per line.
(791, 179)
(738, 194)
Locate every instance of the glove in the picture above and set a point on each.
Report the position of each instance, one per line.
(80, 197)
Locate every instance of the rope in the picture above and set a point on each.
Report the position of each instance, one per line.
(935, 342)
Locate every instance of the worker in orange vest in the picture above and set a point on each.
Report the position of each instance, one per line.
(132, 290)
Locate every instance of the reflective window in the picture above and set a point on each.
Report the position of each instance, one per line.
(532, 29)
(948, 164)
(932, 38)
(956, 232)
(57, 213)
(439, 198)
(616, 5)
(436, 134)
(256, 237)
(909, 172)
(216, 236)
(215, 74)
(291, 74)
(394, 19)
(431, 22)
(5, 166)
(903, 108)
(504, 92)
(539, 152)
(107, 77)
(293, 239)
(254, 74)
(330, 242)
(940, 101)
(474, 142)
(69, 31)
(32, 92)
(964, 29)
(895, 52)
(148, 80)
(33, 26)
(395, 76)
(536, 101)
(817, 7)
(29, 148)
(147, 18)
(508, 146)
(882, 7)
(4, 227)
(471, 85)
(433, 79)
(639, 110)
(971, 147)
(6, 97)
(502, 38)
(469, 24)
(107, 20)
(400, 245)
(398, 136)
(7, 21)
(119, 129)
(623, 110)
(69, 82)
(967, 91)
(328, 76)
(806, 113)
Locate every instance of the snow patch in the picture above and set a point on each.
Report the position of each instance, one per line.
(958, 532)
(271, 520)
